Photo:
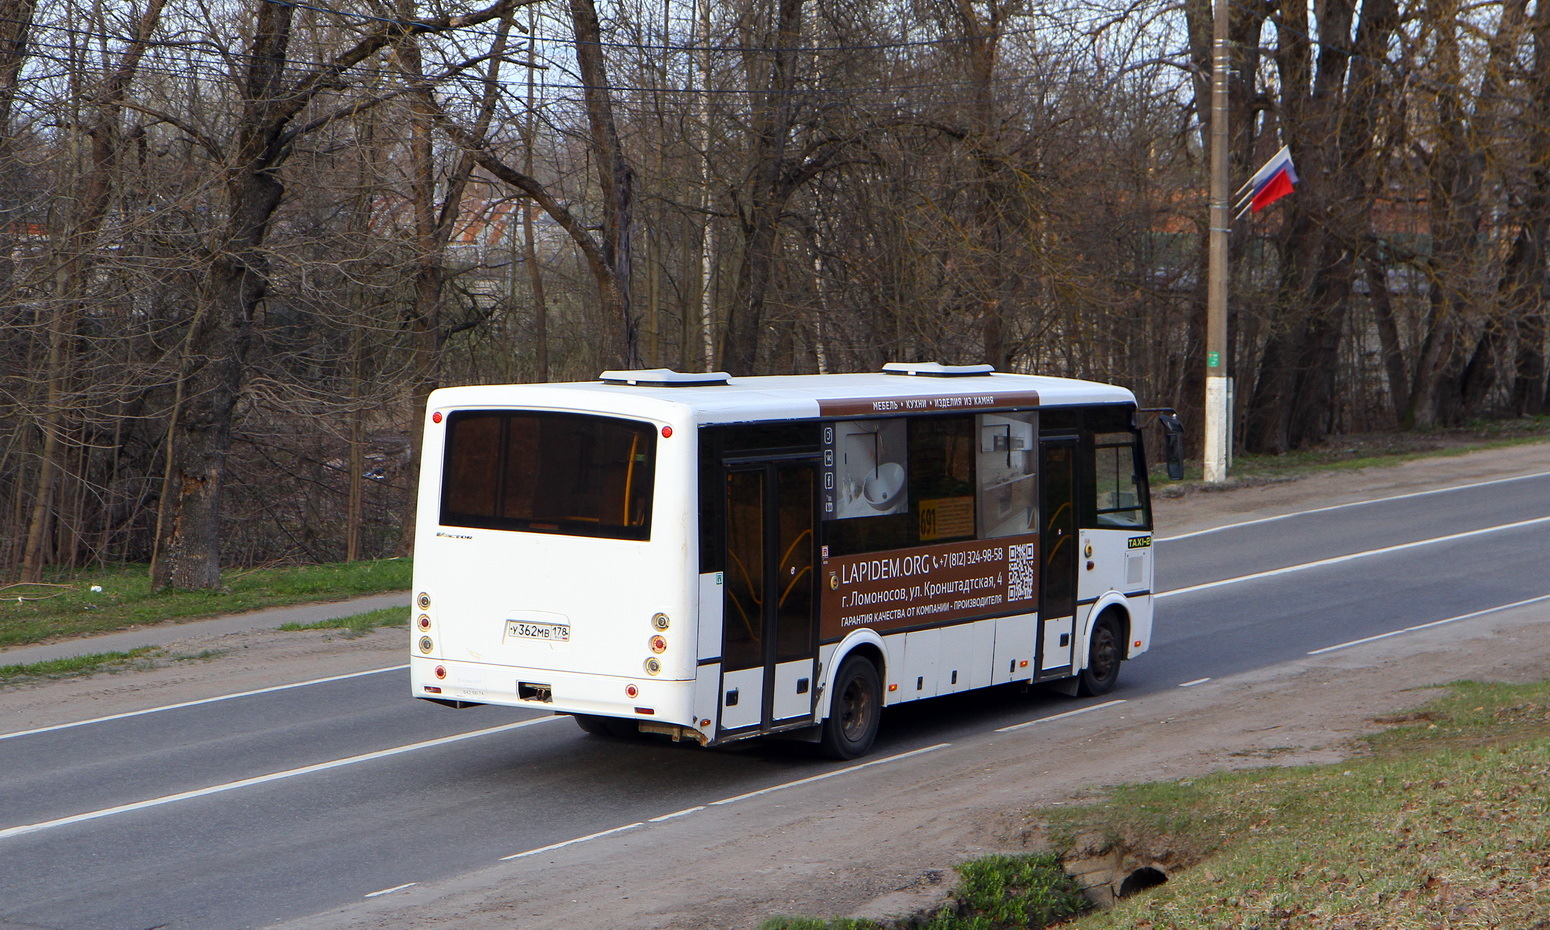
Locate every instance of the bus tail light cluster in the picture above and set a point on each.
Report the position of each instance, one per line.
(657, 644)
(422, 623)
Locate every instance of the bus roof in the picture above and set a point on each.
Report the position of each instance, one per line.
(719, 398)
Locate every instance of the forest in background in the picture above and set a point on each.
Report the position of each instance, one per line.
(240, 242)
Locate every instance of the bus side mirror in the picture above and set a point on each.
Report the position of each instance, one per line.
(1173, 444)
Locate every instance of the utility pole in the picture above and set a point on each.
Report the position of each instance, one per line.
(1217, 413)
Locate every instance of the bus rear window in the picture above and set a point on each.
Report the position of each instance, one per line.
(564, 473)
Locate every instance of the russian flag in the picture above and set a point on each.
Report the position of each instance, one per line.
(1269, 184)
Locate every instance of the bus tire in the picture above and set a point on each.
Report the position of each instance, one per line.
(1105, 650)
(855, 711)
(605, 726)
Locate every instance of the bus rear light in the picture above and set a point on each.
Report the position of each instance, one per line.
(893, 687)
(441, 671)
(645, 711)
(424, 622)
(1022, 663)
(424, 600)
(1138, 644)
(436, 417)
(433, 689)
(631, 690)
(667, 432)
(658, 644)
(660, 622)
(705, 723)
(426, 645)
(653, 666)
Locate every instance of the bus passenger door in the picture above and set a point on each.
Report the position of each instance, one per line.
(769, 627)
(1058, 542)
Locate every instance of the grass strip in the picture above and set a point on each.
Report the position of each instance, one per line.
(356, 624)
(1442, 823)
(119, 596)
(109, 662)
(74, 666)
(993, 893)
(1373, 450)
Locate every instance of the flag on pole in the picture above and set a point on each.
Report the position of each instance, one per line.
(1269, 184)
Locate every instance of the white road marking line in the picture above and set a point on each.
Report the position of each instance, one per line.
(732, 800)
(1069, 713)
(683, 813)
(579, 839)
(1355, 555)
(812, 778)
(1422, 626)
(1375, 500)
(264, 779)
(378, 894)
(208, 700)
(1197, 681)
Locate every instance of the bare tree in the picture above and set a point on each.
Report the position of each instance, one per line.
(1331, 99)
(75, 267)
(1527, 277)
(616, 178)
(269, 122)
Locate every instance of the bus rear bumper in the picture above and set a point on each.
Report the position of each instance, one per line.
(668, 702)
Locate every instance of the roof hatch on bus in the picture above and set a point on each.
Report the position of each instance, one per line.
(665, 377)
(937, 369)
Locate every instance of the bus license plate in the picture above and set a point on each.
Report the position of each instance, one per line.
(548, 632)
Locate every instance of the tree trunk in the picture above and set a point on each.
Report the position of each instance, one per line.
(1330, 107)
(433, 226)
(1457, 178)
(215, 349)
(535, 274)
(615, 177)
(1388, 339)
(1480, 373)
(771, 180)
(79, 239)
(1528, 278)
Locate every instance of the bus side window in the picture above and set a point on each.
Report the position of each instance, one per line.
(941, 477)
(1119, 499)
(1007, 464)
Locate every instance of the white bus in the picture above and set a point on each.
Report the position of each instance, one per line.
(715, 558)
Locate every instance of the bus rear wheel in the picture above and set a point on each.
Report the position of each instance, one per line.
(855, 711)
(1104, 652)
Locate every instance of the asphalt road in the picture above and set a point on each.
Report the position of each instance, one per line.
(250, 811)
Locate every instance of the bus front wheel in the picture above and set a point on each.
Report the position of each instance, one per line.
(855, 711)
(1104, 652)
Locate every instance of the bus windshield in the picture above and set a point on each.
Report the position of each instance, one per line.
(564, 473)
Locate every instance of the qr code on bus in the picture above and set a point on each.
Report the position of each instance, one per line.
(1022, 562)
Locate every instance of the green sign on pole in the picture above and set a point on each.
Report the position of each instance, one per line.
(1213, 359)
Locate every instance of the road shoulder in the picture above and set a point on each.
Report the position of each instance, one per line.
(855, 842)
(1200, 507)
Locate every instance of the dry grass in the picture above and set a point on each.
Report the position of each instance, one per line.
(1443, 822)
